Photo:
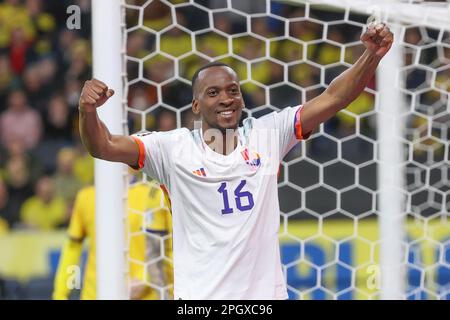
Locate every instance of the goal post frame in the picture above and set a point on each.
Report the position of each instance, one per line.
(110, 179)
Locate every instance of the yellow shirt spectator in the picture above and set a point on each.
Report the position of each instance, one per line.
(142, 198)
(44, 211)
(84, 168)
(175, 42)
(41, 215)
(11, 17)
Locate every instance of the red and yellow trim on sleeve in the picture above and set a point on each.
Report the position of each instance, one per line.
(141, 147)
(298, 126)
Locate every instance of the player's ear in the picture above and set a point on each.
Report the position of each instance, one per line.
(195, 106)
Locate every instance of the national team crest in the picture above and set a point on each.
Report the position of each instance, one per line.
(251, 158)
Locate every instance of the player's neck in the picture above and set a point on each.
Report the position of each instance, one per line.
(221, 141)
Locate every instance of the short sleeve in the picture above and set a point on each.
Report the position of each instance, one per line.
(287, 124)
(154, 154)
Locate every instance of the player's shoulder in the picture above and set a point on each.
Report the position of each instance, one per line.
(86, 192)
(168, 135)
(87, 189)
(260, 117)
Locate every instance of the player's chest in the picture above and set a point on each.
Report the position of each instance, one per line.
(218, 186)
(243, 162)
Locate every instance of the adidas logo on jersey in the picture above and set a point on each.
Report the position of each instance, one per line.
(200, 172)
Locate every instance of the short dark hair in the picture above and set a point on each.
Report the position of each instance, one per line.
(206, 66)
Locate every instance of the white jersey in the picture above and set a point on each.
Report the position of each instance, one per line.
(225, 209)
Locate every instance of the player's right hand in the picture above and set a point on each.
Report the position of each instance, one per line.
(94, 94)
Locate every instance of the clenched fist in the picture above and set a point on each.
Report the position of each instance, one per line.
(94, 94)
(378, 39)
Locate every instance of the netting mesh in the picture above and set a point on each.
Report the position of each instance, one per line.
(286, 53)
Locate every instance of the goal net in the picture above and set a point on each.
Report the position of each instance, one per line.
(342, 196)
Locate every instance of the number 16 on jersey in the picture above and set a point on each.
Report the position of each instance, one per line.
(240, 197)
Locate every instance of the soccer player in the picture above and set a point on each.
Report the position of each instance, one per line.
(222, 178)
(142, 198)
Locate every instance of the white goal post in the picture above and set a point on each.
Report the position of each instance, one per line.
(110, 178)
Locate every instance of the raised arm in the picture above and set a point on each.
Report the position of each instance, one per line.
(346, 87)
(95, 136)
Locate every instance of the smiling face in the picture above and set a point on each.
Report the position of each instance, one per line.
(218, 98)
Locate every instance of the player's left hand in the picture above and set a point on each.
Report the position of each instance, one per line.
(378, 39)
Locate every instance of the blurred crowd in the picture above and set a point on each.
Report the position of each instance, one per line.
(43, 66)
